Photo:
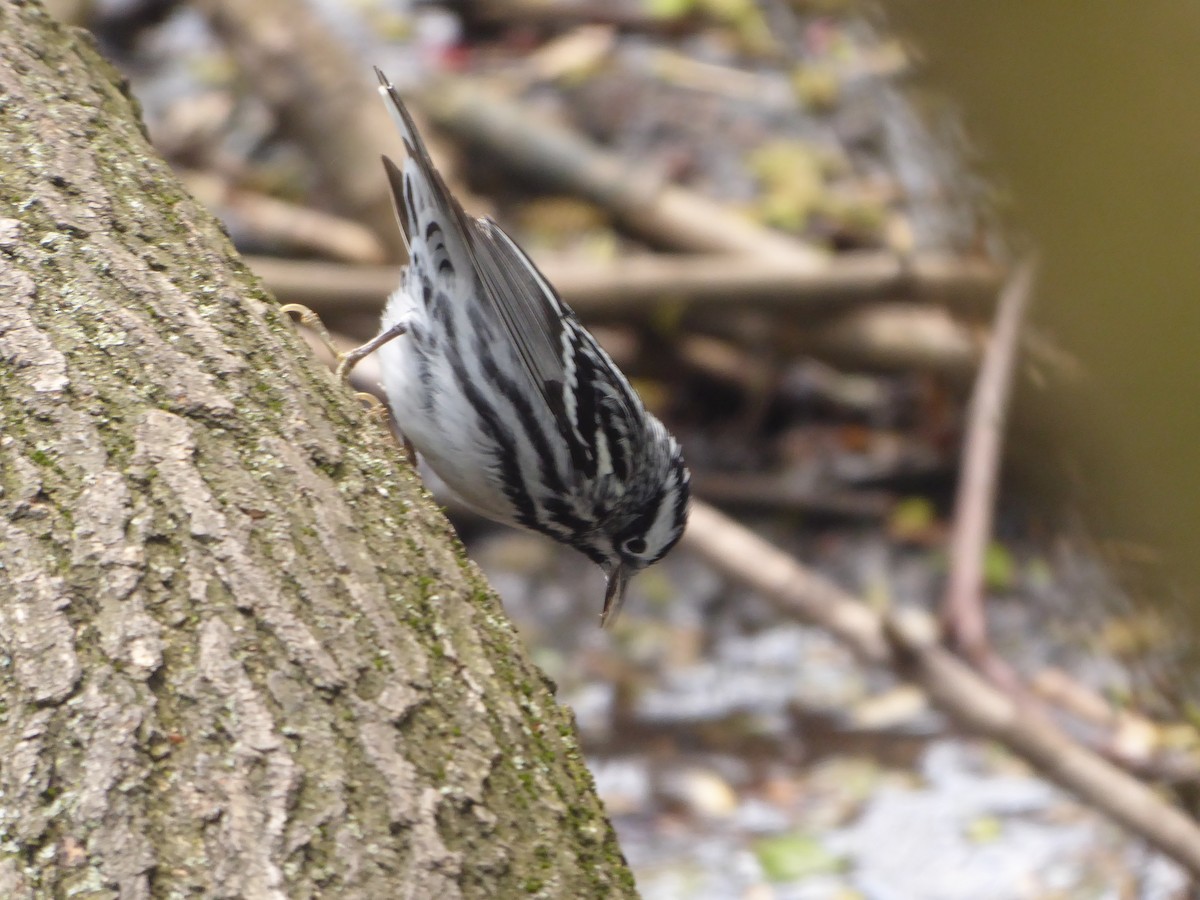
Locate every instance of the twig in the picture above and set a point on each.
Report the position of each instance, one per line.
(1133, 741)
(963, 613)
(533, 13)
(278, 222)
(720, 360)
(881, 336)
(638, 286)
(951, 685)
(560, 158)
(734, 82)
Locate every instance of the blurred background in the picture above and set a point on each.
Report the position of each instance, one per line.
(788, 221)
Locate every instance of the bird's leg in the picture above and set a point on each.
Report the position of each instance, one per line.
(347, 361)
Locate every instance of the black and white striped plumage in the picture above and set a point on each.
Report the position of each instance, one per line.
(508, 398)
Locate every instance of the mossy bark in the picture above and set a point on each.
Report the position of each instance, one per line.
(241, 654)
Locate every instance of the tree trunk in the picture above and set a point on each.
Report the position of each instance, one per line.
(241, 654)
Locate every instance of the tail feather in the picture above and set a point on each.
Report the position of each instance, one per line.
(482, 262)
(403, 119)
(419, 165)
(437, 232)
(399, 202)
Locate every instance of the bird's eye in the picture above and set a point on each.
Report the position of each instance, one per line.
(636, 546)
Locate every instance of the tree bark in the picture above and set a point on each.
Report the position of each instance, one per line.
(241, 654)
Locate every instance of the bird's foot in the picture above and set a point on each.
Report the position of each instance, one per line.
(313, 323)
(351, 358)
(376, 408)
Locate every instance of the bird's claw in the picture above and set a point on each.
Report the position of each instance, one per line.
(344, 362)
(313, 323)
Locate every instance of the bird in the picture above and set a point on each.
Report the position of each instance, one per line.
(494, 381)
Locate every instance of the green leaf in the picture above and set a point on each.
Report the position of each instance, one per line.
(985, 829)
(911, 518)
(791, 857)
(670, 9)
(999, 569)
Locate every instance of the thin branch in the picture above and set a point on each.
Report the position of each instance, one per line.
(1131, 740)
(537, 14)
(637, 286)
(270, 220)
(854, 332)
(952, 686)
(885, 337)
(565, 160)
(963, 611)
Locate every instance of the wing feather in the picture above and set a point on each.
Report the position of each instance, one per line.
(514, 291)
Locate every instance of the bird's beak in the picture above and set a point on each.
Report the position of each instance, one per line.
(614, 596)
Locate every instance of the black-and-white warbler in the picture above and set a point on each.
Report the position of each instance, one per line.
(506, 395)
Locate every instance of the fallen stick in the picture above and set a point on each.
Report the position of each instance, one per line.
(538, 14)
(1133, 741)
(892, 641)
(274, 221)
(881, 336)
(884, 337)
(564, 160)
(962, 606)
(635, 287)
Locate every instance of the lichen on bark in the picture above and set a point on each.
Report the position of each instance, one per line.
(241, 653)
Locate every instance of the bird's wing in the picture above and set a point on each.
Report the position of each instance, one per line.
(564, 353)
(514, 292)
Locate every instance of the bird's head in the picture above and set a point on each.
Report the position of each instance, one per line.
(649, 522)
